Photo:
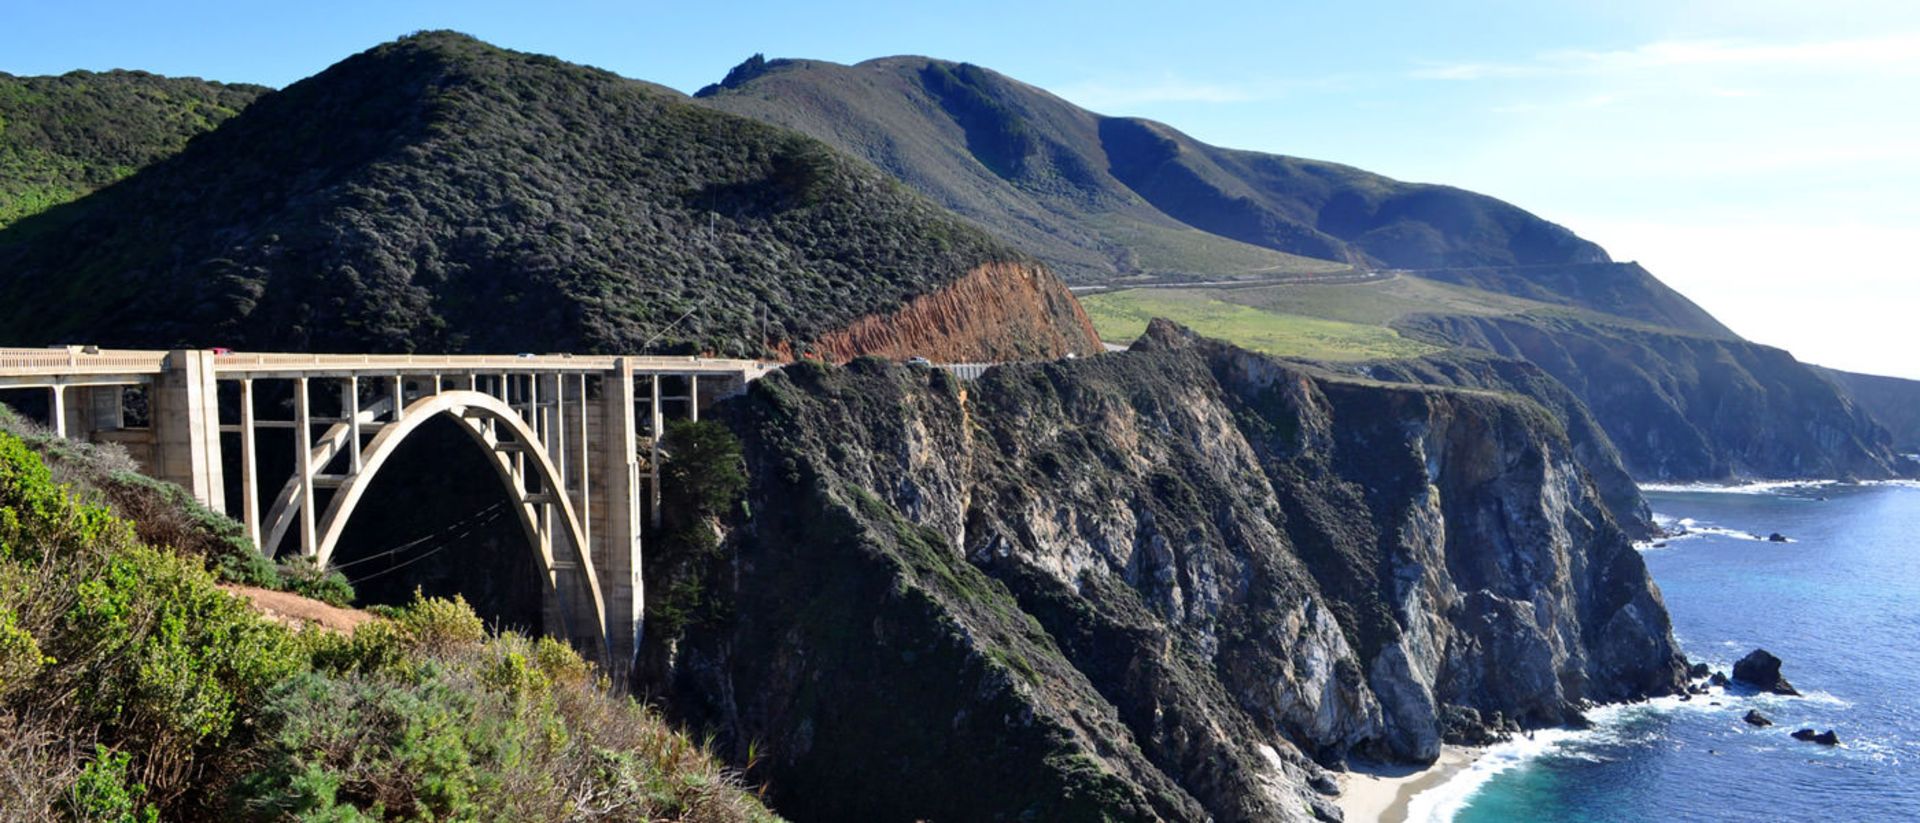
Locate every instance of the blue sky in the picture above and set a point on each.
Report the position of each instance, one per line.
(1761, 156)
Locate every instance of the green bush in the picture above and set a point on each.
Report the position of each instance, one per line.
(20, 655)
(305, 578)
(702, 478)
(192, 706)
(102, 793)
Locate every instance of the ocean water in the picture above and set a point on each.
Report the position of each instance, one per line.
(1840, 605)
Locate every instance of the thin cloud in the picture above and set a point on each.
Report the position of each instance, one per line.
(1900, 52)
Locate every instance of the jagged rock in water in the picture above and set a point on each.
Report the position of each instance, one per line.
(1761, 670)
(1755, 718)
(1165, 583)
(1826, 738)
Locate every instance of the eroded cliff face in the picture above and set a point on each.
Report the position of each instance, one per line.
(997, 312)
(1466, 368)
(1162, 584)
(1683, 407)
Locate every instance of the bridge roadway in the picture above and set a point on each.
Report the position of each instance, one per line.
(575, 440)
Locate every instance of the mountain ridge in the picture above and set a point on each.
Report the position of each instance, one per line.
(1145, 177)
(402, 197)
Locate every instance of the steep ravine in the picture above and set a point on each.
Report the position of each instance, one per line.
(1161, 584)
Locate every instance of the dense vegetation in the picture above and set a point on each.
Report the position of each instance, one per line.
(62, 137)
(1106, 198)
(133, 689)
(441, 194)
(165, 515)
(995, 134)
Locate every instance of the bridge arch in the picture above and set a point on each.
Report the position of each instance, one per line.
(515, 459)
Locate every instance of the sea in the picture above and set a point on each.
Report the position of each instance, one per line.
(1839, 604)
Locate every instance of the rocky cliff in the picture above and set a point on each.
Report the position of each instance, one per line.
(1686, 407)
(995, 313)
(1162, 584)
(1892, 401)
(1467, 368)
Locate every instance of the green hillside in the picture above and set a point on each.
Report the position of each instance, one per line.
(1108, 199)
(62, 137)
(438, 193)
(1123, 315)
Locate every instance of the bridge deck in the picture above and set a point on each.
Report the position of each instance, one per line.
(77, 366)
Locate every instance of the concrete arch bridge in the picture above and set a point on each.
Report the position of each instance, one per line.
(574, 441)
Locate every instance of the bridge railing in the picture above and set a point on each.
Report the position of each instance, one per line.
(76, 360)
(965, 371)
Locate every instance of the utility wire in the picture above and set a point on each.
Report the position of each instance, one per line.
(417, 541)
(436, 550)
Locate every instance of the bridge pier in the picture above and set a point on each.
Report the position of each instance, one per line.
(185, 410)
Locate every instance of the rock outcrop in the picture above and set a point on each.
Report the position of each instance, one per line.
(1170, 583)
(1761, 670)
(1466, 368)
(996, 312)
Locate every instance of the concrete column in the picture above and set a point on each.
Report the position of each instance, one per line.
(249, 467)
(693, 397)
(303, 463)
(616, 545)
(186, 421)
(57, 411)
(350, 401)
(582, 469)
(657, 428)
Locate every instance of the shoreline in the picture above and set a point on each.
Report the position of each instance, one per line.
(1375, 793)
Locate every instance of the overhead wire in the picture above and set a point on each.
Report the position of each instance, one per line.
(419, 540)
(443, 546)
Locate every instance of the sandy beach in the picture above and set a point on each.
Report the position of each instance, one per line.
(1379, 794)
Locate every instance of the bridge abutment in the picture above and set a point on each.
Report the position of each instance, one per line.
(184, 407)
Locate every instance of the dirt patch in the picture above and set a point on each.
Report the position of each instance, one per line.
(296, 611)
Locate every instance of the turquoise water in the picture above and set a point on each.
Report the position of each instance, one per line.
(1840, 604)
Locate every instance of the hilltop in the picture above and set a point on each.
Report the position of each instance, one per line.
(63, 137)
(1111, 198)
(441, 194)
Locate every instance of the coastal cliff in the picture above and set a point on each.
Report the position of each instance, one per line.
(1682, 407)
(995, 312)
(1170, 583)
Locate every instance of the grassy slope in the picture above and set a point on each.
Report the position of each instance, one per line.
(1122, 316)
(1056, 201)
(410, 197)
(1104, 199)
(62, 137)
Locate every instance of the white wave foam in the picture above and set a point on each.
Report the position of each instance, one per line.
(1750, 487)
(1612, 724)
(1444, 802)
(1681, 528)
(1770, 486)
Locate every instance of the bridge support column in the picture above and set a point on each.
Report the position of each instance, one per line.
(616, 532)
(186, 421)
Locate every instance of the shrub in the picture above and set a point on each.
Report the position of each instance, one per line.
(20, 656)
(102, 792)
(132, 687)
(305, 578)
